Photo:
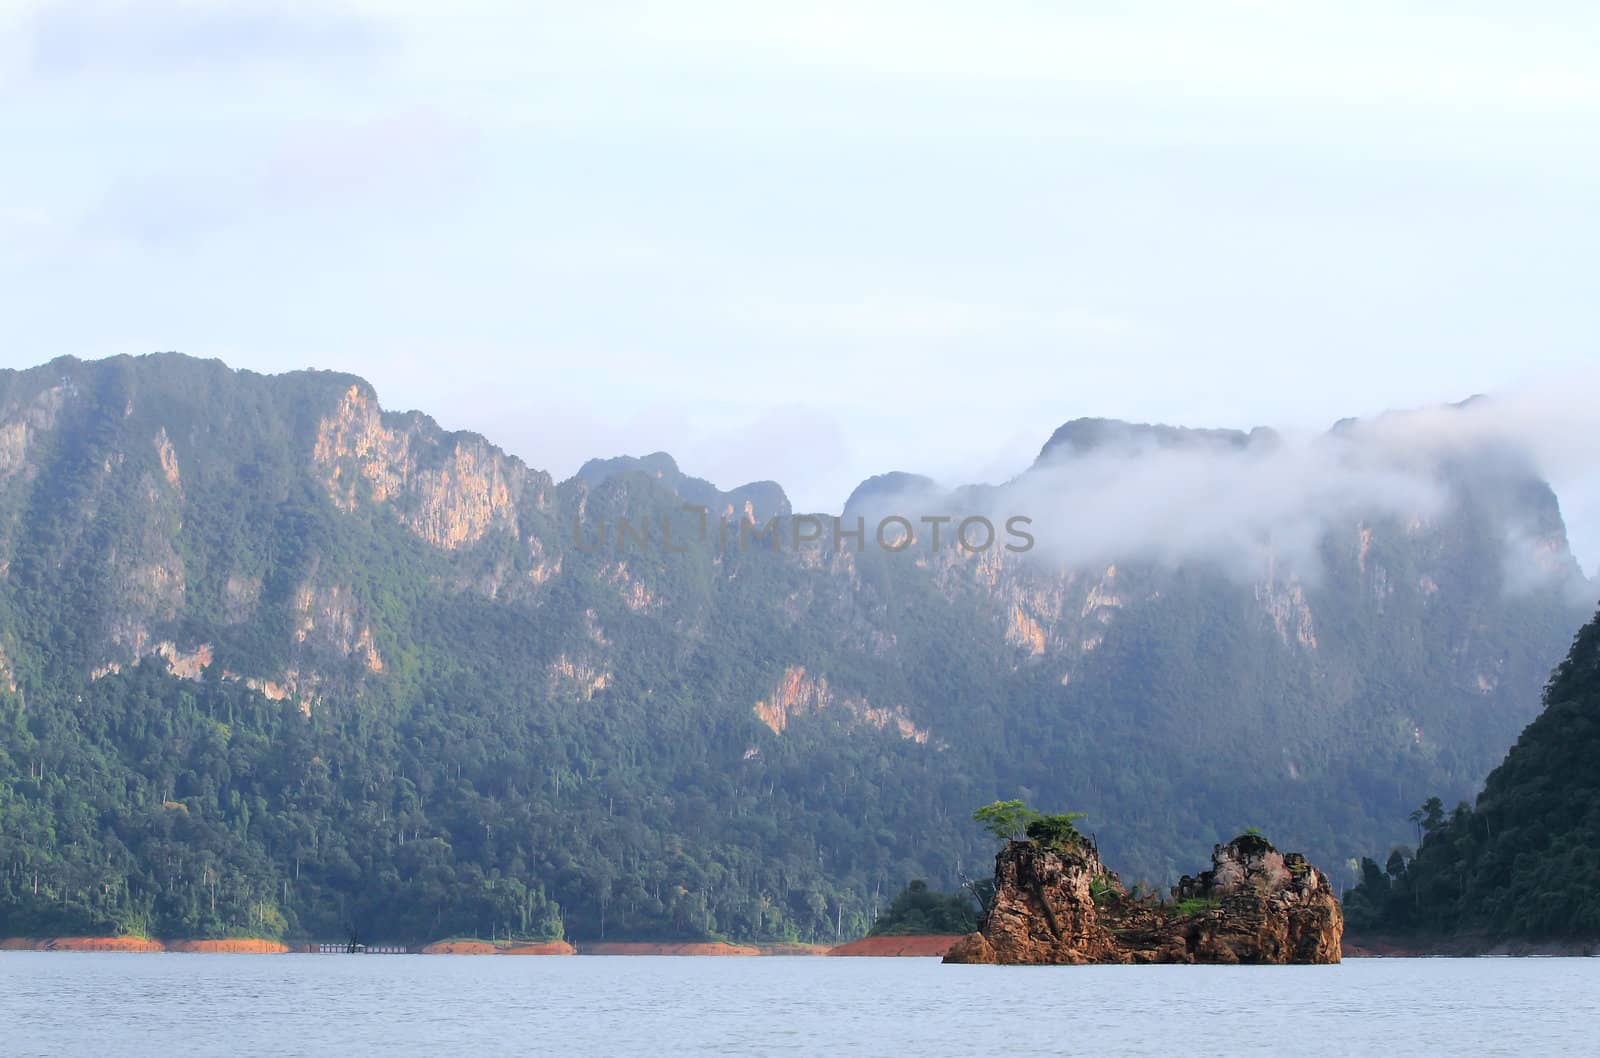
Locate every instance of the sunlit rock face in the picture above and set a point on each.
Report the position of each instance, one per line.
(450, 490)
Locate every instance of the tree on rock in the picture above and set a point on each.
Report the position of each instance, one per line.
(1057, 831)
(1011, 820)
(1006, 820)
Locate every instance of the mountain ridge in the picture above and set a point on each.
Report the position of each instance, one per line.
(389, 685)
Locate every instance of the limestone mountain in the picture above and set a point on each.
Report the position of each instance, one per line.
(276, 660)
(759, 500)
(1088, 435)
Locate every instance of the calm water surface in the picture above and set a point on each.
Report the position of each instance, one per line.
(392, 1005)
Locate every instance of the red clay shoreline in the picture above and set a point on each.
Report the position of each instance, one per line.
(225, 945)
(795, 949)
(923, 946)
(257, 946)
(483, 947)
(668, 948)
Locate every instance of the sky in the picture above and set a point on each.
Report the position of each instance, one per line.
(814, 242)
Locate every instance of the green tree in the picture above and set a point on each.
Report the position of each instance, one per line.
(920, 910)
(1006, 820)
(1056, 831)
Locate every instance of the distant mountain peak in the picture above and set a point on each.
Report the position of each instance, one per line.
(657, 464)
(764, 499)
(882, 487)
(1082, 436)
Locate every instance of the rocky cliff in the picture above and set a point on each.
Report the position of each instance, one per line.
(1062, 906)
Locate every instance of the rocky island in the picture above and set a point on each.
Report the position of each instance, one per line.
(1056, 903)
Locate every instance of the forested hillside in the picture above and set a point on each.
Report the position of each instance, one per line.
(275, 661)
(1524, 861)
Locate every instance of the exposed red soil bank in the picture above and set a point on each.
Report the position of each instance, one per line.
(228, 945)
(931, 946)
(236, 945)
(607, 948)
(483, 947)
(80, 944)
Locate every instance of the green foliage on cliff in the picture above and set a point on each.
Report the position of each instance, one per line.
(1006, 820)
(1056, 831)
(1524, 861)
(1010, 820)
(916, 909)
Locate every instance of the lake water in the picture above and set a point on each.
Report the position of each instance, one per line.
(394, 1005)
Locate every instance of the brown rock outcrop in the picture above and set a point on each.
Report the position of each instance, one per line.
(795, 694)
(450, 490)
(1061, 906)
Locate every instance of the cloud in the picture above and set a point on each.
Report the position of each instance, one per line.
(1551, 419)
(1253, 510)
(24, 224)
(889, 316)
(1342, 54)
(1264, 505)
(106, 37)
(400, 162)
